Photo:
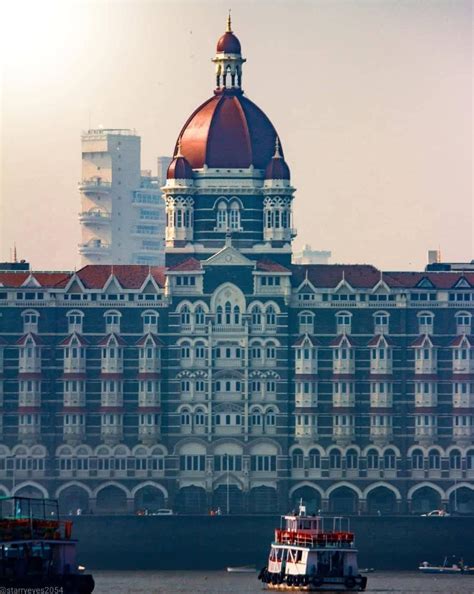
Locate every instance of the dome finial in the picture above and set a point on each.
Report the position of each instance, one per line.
(277, 148)
(178, 148)
(229, 23)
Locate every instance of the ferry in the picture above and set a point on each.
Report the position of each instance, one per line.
(37, 551)
(312, 553)
(457, 568)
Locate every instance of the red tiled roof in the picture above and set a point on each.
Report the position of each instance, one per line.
(335, 342)
(36, 339)
(105, 341)
(270, 266)
(301, 339)
(457, 342)
(156, 340)
(377, 338)
(44, 279)
(420, 340)
(67, 341)
(129, 276)
(190, 264)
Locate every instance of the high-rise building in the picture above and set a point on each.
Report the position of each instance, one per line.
(122, 211)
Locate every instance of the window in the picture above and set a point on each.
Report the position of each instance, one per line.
(389, 460)
(314, 459)
(270, 418)
(256, 418)
(112, 321)
(74, 321)
(335, 459)
(455, 460)
(263, 463)
(185, 418)
(199, 316)
(463, 323)
(425, 323)
(306, 322)
(228, 462)
(200, 351)
(352, 460)
(150, 321)
(381, 323)
(434, 460)
(417, 460)
(343, 322)
(185, 315)
(185, 351)
(234, 216)
(195, 463)
(30, 321)
(297, 459)
(256, 315)
(372, 460)
(270, 316)
(199, 418)
(222, 216)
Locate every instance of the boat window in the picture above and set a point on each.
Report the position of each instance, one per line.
(299, 555)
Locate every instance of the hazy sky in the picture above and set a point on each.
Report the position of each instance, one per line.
(372, 101)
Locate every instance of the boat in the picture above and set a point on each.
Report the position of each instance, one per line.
(242, 569)
(456, 568)
(313, 553)
(37, 551)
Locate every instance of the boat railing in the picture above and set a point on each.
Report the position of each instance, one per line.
(34, 529)
(312, 539)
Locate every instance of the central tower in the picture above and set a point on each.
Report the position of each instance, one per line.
(228, 180)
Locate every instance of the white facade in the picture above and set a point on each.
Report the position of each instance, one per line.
(122, 212)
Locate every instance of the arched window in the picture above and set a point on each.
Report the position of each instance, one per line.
(256, 315)
(470, 459)
(381, 320)
(236, 314)
(222, 216)
(352, 459)
(185, 315)
(314, 459)
(389, 460)
(200, 418)
(30, 321)
(256, 418)
(425, 322)
(185, 417)
(199, 315)
(270, 418)
(270, 316)
(417, 460)
(234, 216)
(335, 459)
(220, 314)
(434, 460)
(455, 460)
(372, 460)
(297, 459)
(74, 321)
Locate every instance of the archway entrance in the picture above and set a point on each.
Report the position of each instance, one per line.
(73, 500)
(111, 500)
(310, 497)
(461, 501)
(424, 500)
(343, 500)
(235, 499)
(263, 500)
(191, 500)
(381, 500)
(149, 499)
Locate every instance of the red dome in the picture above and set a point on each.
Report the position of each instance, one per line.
(228, 131)
(228, 44)
(277, 169)
(179, 168)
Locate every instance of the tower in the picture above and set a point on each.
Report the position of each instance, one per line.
(228, 179)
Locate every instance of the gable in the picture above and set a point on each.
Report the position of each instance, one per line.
(425, 283)
(228, 256)
(462, 284)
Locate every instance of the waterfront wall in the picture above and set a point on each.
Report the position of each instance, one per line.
(204, 542)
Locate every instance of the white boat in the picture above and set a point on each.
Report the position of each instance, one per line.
(458, 568)
(242, 569)
(314, 554)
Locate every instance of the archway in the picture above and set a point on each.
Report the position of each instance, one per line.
(461, 501)
(381, 500)
(73, 500)
(149, 499)
(343, 500)
(425, 499)
(30, 491)
(191, 500)
(263, 500)
(111, 500)
(310, 497)
(235, 499)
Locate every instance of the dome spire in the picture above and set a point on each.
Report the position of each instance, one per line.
(277, 154)
(228, 60)
(178, 148)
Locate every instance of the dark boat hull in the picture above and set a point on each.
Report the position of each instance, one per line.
(66, 584)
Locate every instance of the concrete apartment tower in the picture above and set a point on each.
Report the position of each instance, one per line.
(122, 211)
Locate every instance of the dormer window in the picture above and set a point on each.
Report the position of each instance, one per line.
(150, 322)
(343, 322)
(30, 321)
(425, 322)
(381, 321)
(74, 321)
(463, 322)
(112, 321)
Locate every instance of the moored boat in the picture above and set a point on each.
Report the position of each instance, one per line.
(312, 553)
(241, 569)
(457, 568)
(37, 551)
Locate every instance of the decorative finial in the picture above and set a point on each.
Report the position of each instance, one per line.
(229, 23)
(277, 147)
(178, 148)
(15, 260)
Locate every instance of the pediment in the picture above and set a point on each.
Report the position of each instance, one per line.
(31, 282)
(425, 283)
(228, 256)
(462, 284)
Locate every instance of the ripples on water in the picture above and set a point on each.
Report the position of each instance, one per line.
(220, 582)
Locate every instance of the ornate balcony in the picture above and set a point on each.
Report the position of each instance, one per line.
(94, 247)
(95, 186)
(95, 217)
